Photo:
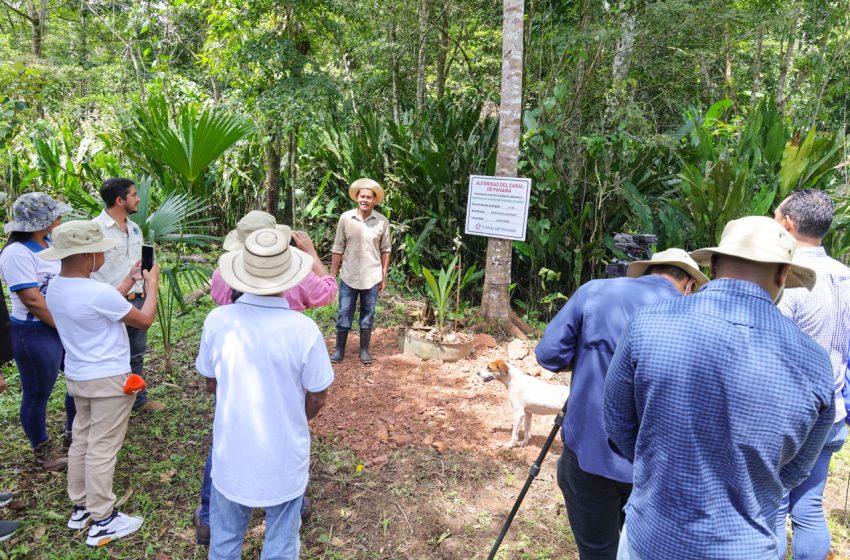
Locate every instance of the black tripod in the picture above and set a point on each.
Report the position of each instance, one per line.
(532, 474)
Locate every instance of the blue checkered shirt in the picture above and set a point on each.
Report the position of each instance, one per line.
(723, 404)
(824, 313)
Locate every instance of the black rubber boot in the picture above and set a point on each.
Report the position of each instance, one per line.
(365, 338)
(339, 353)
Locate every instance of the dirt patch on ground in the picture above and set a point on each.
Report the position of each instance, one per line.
(402, 400)
(431, 438)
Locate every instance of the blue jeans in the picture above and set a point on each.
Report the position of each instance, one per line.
(38, 354)
(625, 550)
(206, 490)
(230, 521)
(810, 538)
(138, 346)
(348, 301)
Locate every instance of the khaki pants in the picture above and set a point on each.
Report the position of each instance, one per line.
(103, 411)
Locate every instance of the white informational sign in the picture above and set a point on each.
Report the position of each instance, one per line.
(498, 207)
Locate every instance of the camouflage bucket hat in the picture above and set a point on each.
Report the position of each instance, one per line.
(35, 212)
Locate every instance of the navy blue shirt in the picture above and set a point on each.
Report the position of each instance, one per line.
(723, 404)
(583, 336)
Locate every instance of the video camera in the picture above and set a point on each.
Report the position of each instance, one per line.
(636, 247)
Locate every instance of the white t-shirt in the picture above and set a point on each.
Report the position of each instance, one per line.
(88, 317)
(264, 358)
(21, 268)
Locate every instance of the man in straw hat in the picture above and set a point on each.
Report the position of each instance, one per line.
(317, 289)
(595, 481)
(721, 403)
(90, 317)
(269, 369)
(362, 244)
(823, 314)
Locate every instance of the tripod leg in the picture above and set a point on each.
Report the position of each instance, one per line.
(532, 474)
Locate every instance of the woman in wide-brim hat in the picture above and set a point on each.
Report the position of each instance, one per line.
(36, 346)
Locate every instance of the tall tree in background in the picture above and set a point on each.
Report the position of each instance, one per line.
(421, 55)
(495, 302)
(36, 14)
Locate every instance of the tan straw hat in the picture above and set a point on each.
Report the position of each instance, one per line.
(760, 239)
(251, 222)
(672, 257)
(267, 265)
(366, 184)
(73, 238)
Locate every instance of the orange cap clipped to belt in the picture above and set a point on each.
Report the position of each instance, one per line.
(134, 384)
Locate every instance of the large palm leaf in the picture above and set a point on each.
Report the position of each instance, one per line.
(189, 144)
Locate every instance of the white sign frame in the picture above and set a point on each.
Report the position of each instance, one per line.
(493, 209)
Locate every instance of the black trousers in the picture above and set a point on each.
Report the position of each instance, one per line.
(594, 508)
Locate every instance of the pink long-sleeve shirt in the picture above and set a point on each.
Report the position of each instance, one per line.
(313, 291)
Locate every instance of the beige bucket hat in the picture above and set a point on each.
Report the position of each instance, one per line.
(267, 265)
(673, 257)
(760, 239)
(251, 222)
(370, 184)
(73, 238)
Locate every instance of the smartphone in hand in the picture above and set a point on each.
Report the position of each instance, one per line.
(147, 257)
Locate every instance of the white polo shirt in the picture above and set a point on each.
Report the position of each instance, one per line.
(264, 358)
(119, 260)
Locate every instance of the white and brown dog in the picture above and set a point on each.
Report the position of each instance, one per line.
(528, 395)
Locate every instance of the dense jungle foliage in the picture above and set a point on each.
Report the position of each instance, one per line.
(668, 117)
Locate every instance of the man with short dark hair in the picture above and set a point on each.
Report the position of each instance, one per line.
(823, 314)
(119, 195)
(595, 481)
(720, 402)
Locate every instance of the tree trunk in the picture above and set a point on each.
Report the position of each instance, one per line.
(347, 64)
(625, 44)
(271, 159)
(495, 302)
(757, 70)
(444, 51)
(622, 63)
(394, 74)
(420, 65)
(730, 90)
(786, 63)
(83, 39)
(291, 166)
(36, 25)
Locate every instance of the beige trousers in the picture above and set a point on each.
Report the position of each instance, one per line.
(103, 411)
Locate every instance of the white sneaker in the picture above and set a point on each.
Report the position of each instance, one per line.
(80, 518)
(113, 527)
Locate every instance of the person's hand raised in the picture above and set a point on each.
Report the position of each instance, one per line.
(151, 277)
(136, 272)
(304, 243)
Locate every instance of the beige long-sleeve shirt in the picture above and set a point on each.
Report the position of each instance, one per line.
(361, 242)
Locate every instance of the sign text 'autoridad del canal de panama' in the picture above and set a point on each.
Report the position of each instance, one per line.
(498, 207)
